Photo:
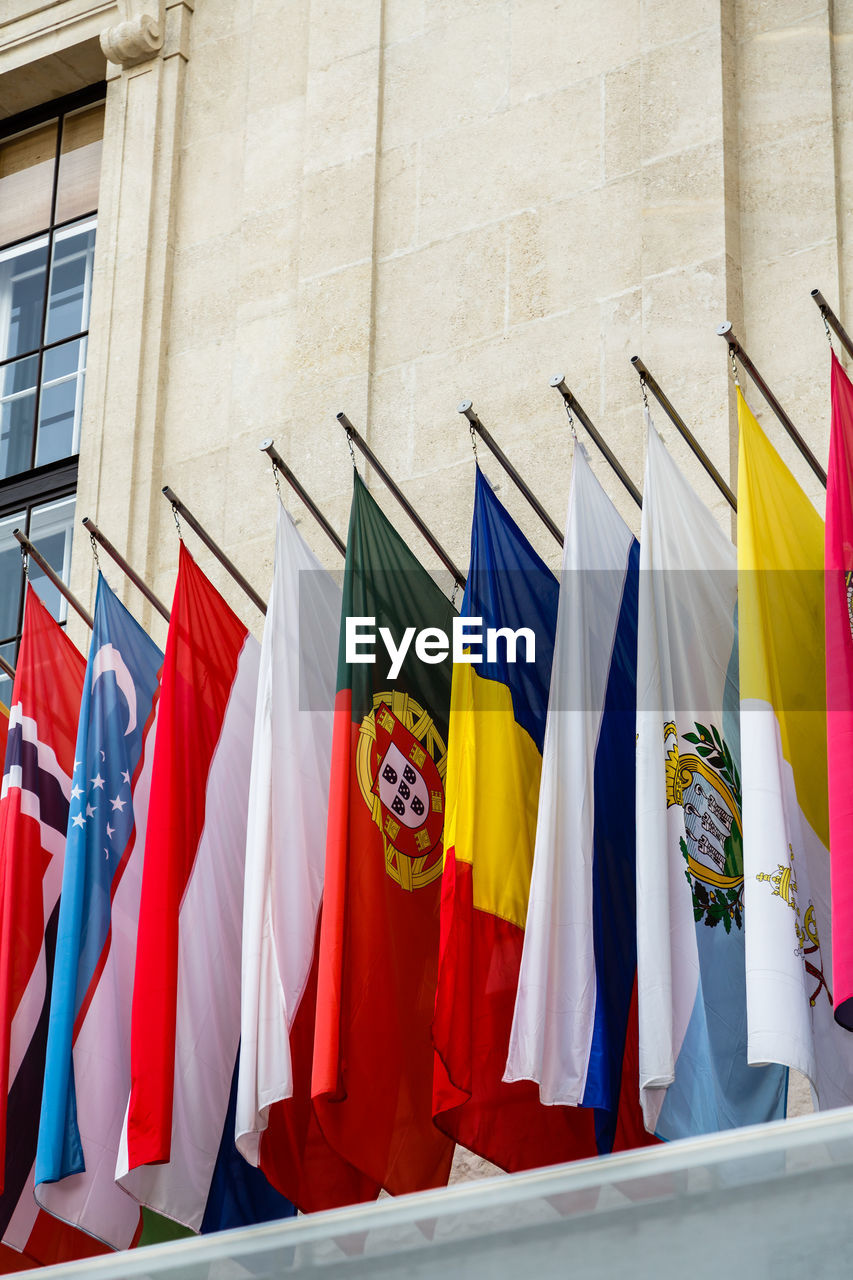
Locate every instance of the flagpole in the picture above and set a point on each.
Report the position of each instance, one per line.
(649, 381)
(49, 572)
(488, 439)
(7, 668)
(573, 405)
(416, 520)
(736, 350)
(94, 532)
(268, 447)
(832, 320)
(228, 565)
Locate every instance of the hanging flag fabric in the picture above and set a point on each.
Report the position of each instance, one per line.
(694, 1074)
(839, 686)
(87, 1072)
(783, 750)
(575, 1023)
(34, 805)
(497, 726)
(372, 1074)
(4, 729)
(277, 1127)
(176, 1141)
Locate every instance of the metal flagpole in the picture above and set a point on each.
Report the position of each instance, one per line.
(7, 668)
(416, 520)
(574, 406)
(278, 462)
(646, 379)
(49, 572)
(95, 533)
(179, 508)
(831, 319)
(467, 408)
(736, 350)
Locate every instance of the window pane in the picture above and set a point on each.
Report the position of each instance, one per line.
(17, 411)
(80, 163)
(23, 274)
(26, 182)
(9, 652)
(11, 576)
(70, 281)
(50, 531)
(62, 379)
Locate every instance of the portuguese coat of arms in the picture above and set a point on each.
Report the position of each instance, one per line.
(401, 763)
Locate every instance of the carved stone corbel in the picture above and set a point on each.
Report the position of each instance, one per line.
(139, 36)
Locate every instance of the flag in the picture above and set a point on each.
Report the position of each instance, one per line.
(575, 1023)
(497, 726)
(33, 817)
(783, 750)
(372, 1071)
(839, 686)
(4, 729)
(694, 1074)
(277, 1127)
(178, 1133)
(87, 1072)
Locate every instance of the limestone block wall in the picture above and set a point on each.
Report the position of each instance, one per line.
(385, 206)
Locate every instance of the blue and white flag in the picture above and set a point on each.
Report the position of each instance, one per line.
(87, 1075)
(694, 1075)
(571, 1030)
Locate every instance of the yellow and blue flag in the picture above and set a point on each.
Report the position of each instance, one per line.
(497, 725)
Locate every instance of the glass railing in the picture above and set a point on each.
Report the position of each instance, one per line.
(771, 1201)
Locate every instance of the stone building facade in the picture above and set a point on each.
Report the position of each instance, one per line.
(384, 207)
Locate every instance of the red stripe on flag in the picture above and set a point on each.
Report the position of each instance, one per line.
(48, 688)
(202, 651)
(480, 957)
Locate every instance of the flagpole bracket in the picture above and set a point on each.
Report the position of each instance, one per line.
(476, 428)
(572, 404)
(280, 466)
(648, 380)
(724, 330)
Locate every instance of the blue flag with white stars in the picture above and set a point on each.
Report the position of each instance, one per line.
(87, 1075)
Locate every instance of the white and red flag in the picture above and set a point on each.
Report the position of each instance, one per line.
(34, 805)
(277, 1126)
(177, 1148)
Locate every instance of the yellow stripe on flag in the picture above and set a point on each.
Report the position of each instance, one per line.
(493, 772)
(781, 611)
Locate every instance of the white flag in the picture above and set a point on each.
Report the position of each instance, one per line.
(577, 970)
(286, 839)
(694, 1076)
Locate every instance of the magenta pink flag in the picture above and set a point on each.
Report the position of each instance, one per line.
(839, 686)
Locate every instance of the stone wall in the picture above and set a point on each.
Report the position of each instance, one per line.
(314, 205)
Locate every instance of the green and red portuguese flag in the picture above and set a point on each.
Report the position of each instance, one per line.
(373, 1054)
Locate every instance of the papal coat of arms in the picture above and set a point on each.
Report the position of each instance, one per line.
(704, 781)
(401, 762)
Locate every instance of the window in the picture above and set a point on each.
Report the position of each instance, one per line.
(50, 164)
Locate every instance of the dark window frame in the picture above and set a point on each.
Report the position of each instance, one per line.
(40, 486)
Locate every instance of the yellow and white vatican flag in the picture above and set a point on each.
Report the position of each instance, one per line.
(785, 803)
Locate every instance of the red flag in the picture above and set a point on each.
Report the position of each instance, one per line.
(372, 1076)
(177, 1151)
(839, 687)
